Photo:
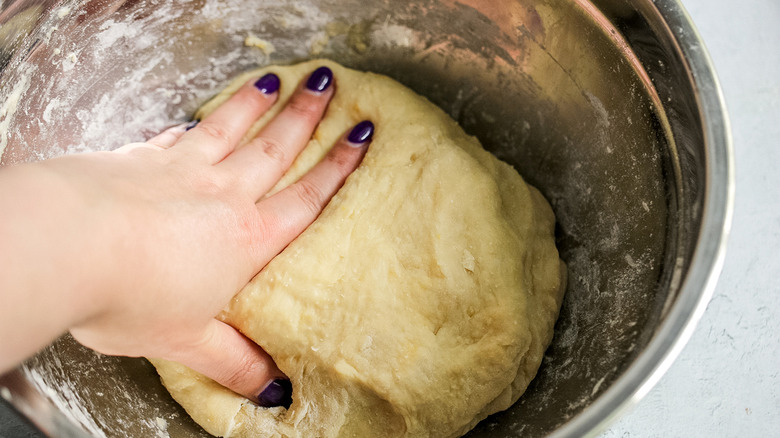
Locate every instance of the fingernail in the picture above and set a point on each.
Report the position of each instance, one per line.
(277, 393)
(191, 125)
(320, 79)
(361, 134)
(268, 84)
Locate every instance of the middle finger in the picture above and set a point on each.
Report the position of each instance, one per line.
(263, 161)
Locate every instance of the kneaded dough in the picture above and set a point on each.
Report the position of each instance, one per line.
(419, 302)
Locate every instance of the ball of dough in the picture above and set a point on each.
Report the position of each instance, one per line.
(418, 303)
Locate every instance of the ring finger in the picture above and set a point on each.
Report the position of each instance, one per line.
(218, 134)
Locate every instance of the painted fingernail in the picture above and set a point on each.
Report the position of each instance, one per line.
(320, 79)
(361, 134)
(191, 125)
(277, 393)
(268, 84)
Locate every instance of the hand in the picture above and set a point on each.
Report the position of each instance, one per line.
(162, 234)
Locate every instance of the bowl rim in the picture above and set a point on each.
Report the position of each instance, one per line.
(707, 261)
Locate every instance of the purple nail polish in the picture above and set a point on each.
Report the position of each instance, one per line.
(191, 125)
(320, 79)
(268, 84)
(361, 133)
(277, 393)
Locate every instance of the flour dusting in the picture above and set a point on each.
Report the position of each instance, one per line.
(8, 110)
(65, 400)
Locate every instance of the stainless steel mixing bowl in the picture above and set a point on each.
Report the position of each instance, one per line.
(610, 107)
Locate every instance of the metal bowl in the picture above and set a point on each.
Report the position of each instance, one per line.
(610, 107)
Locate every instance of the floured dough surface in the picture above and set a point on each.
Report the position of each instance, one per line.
(419, 302)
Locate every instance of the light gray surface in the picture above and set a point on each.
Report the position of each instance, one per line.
(726, 382)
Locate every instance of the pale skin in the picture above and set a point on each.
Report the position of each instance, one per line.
(135, 251)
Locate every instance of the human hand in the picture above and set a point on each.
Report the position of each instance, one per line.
(175, 226)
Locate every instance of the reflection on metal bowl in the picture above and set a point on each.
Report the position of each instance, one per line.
(610, 107)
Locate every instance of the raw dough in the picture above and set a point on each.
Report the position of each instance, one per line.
(420, 301)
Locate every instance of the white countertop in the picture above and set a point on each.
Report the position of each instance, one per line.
(726, 383)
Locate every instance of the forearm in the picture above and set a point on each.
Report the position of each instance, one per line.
(47, 259)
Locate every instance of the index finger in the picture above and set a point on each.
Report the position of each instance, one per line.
(288, 212)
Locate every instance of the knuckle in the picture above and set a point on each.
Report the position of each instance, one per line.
(208, 187)
(310, 195)
(213, 184)
(344, 158)
(273, 149)
(219, 184)
(250, 100)
(268, 225)
(307, 107)
(160, 142)
(242, 371)
(215, 132)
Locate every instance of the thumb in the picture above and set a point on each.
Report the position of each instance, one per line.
(235, 362)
